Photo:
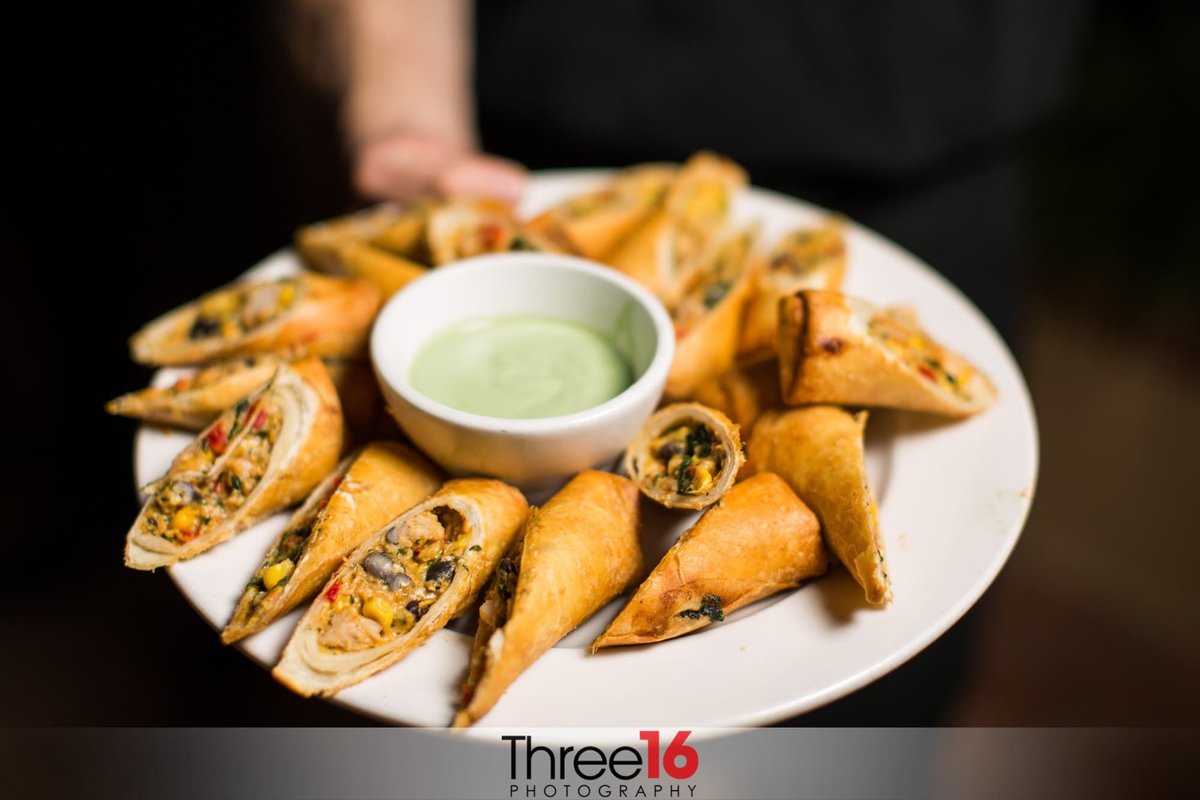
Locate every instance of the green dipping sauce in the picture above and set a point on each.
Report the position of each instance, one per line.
(520, 367)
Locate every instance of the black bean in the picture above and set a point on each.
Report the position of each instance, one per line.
(440, 572)
(507, 565)
(204, 326)
(398, 582)
(672, 448)
(393, 535)
(414, 607)
(379, 565)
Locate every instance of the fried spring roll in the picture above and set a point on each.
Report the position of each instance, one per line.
(839, 349)
(808, 258)
(761, 539)
(743, 393)
(298, 315)
(402, 585)
(194, 401)
(818, 450)
(259, 457)
(364, 491)
(685, 456)
(576, 553)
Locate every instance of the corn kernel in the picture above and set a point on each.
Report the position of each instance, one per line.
(379, 610)
(701, 480)
(344, 600)
(273, 574)
(287, 293)
(186, 519)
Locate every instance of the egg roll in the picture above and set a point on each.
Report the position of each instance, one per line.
(807, 258)
(576, 553)
(365, 490)
(297, 315)
(759, 540)
(743, 393)
(259, 457)
(707, 312)
(383, 245)
(838, 349)
(696, 207)
(685, 456)
(402, 585)
(818, 450)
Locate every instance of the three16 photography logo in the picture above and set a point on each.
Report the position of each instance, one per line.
(649, 769)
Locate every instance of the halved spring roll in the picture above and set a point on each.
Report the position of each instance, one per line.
(593, 223)
(318, 244)
(262, 455)
(707, 310)
(743, 393)
(685, 456)
(383, 245)
(838, 349)
(402, 585)
(818, 450)
(695, 209)
(761, 539)
(808, 258)
(364, 491)
(298, 315)
(457, 229)
(576, 553)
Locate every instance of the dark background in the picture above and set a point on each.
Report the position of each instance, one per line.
(154, 154)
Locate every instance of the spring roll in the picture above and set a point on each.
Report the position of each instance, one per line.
(457, 229)
(259, 457)
(366, 490)
(743, 393)
(838, 349)
(297, 315)
(194, 401)
(685, 456)
(402, 585)
(695, 208)
(759, 540)
(382, 245)
(708, 313)
(808, 258)
(575, 554)
(818, 450)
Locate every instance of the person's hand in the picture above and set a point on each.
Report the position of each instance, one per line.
(405, 166)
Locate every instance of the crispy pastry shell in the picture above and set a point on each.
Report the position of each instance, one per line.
(493, 512)
(305, 451)
(759, 540)
(818, 450)
(827, 355)
(331, 317)
(638, 454)
(377, 484)
(743, 393)
(211, 391)
(576, 553)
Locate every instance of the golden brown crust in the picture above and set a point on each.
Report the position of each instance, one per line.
(306, 450)
(331, 317)
(827, 355)
(803, 259)
(639, 454)
(201, 400)
(378, 484)
(577, 552)
(759, 540)
(743, 393)
(319, 244)
(819, 452)
(493, 512)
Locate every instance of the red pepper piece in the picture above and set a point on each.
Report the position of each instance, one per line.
(927, 372)
(260, 419)
(217, 439)
(331, 593)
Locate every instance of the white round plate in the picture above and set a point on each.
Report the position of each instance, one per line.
(952, 499)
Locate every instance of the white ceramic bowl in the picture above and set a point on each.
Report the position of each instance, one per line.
(531, 453)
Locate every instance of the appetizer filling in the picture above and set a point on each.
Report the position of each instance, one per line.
(685, 460)
(913, 348)
(495, 610)
(710, 606)
(280, 563)
(230, 313)
(395, 583)
(215, 373)
(705, 288)
(215, 476)
(806, 250)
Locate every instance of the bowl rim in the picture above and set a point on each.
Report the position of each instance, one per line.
(651, 381)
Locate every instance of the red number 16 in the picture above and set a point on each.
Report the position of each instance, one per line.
(676, 750)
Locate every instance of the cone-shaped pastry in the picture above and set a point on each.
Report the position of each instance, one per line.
(318, 243)
(592, 224)
(576, 553)
(194, 401)
(685, 456)
(384, 245)
(743, 393)
(839, 349)
(696, 207)
(463, 228)
(808, 258)
(366, 490)
(298, 315)
(761, 539)
(402, 585)
(819, 452)
(259, 457)
(708, 312)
